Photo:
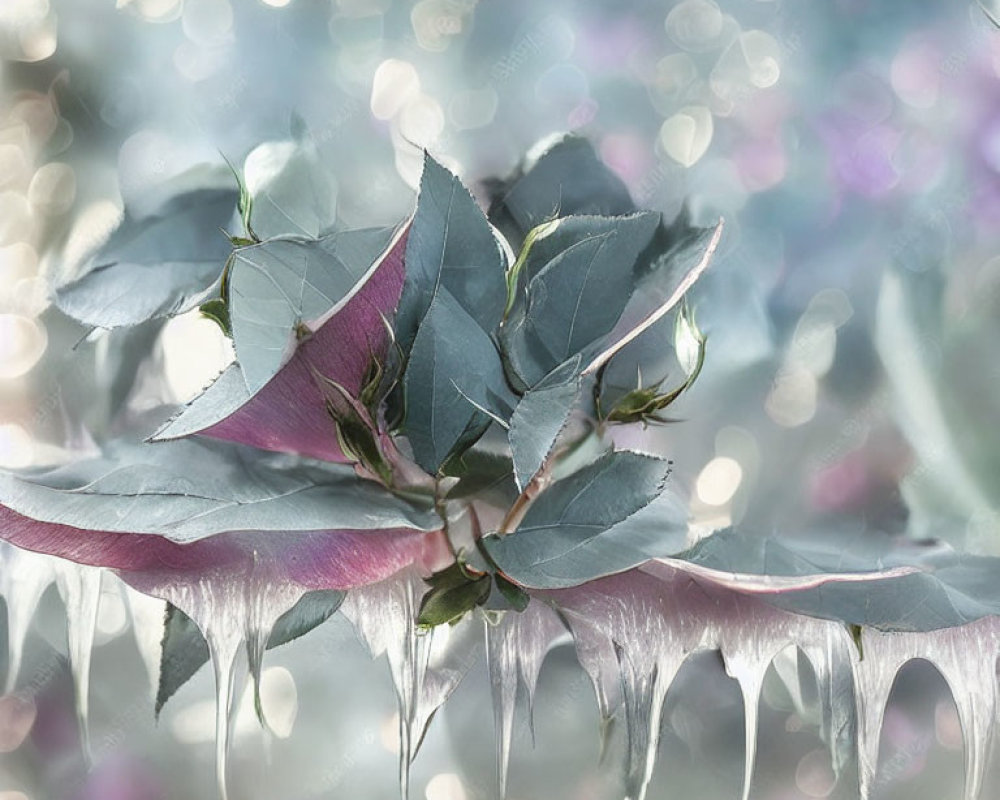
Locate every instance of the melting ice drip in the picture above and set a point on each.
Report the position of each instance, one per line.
(426, 667)
(632, 633)
(233, 611)
(515, 648)
(24, 577)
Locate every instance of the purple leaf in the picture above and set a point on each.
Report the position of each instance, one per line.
(289, 414)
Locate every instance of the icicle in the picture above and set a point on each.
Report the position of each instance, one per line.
(644, 692)
(748, 669)
(384, 615)
(596, 653)
(24, 577)
(146, 614)
(516, 646)
(233, 608)
(831, 662)
(80, 589)
(652, 620)
(885, 654)
(965, 656)
(224, 646)
(630, 619)
(501, 658)
(453, 651)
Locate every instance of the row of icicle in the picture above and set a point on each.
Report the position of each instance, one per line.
(632, 634)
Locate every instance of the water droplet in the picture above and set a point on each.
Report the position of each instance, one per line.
(718, 481)
(388, 734)
(146, 159)
(695, 25)
(38, 112)
(17, 221)
(435, 23)
(17, 716)
(39, 41)
(685, 137)
(194, 724)
(395, 84)
(674, 75)
(422, 121)
(16, 447)
(751, 62)
(813, 345)
(159, 10)
(14, 167)
(792, 400)
(813, 775)
(22, 343)
(279, 700)
(445, 786)
(53, 189)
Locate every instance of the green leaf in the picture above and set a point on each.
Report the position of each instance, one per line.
(513, 594)
(579, 279)
(279, 286)
(568, 178)
(644, 403)
(540, 416)
(608, 517)
(859, 578)
(855, 632)
(453, 593)
(289, 190)
(481, 475)
(453, 367)
(196, 488)
(244, 207)
(156, 266)
(453, 299)
(217, 310)
(514, 272)
(450, 247)
(313, 609)
(184, 651)
(689, 343)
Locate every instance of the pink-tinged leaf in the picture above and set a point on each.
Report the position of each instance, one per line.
(311, 560)
(289, 414)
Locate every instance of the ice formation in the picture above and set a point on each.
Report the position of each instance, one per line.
(80, 589)
(516, 645)
(24, 577)
(425, 666)
(632, 634)
(233, 610)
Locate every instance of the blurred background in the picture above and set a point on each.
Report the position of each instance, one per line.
(852, 380)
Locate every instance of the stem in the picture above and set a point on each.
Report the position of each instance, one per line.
(441, 507)
(535, 487)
